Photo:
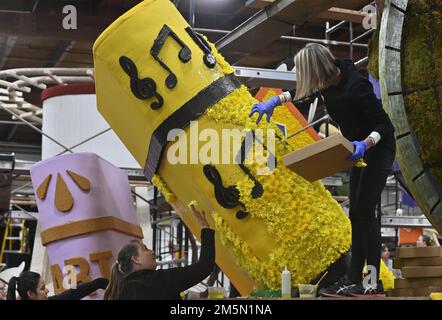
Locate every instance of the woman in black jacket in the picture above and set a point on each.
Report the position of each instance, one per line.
(30, 286)
(351, 102)
(134, 275)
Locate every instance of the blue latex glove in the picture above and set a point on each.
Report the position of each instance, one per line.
(360, 149)
(266, 107)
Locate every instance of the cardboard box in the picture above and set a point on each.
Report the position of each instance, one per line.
(416, 262)
(421, 272)
(321, 159)
(418, 252)
(415, 292)
(417, 283)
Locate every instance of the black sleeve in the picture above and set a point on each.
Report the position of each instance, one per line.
(82, 290)
(304, 105)
(293, 94)
(180, 279)
(131, 291)
(374, 113)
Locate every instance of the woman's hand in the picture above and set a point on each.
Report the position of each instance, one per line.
(360, 149)
(102, 283)
(201, 216)
(266, 107)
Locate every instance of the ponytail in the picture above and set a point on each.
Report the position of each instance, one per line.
(122, 267)
(12, 287)
(27, 281)
(115, 285)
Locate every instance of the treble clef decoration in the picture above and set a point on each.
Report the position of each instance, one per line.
(226, 197)
(141, 88)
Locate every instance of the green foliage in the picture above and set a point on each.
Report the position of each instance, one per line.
(422, 79)
(421, 65)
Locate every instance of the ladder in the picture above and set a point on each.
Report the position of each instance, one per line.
(15, 240)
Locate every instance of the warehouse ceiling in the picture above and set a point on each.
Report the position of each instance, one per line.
(31, 35)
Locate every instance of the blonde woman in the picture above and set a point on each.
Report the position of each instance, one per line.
(351, 102)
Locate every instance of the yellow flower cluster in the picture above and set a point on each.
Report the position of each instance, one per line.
(221, 62)
(163, 188)
(387, 277)
(436, 296)
(284, 116)
(309, 226)
(193, 203)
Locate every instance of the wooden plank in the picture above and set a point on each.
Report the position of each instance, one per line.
(339, 14)
(418, 252)
(417, 283)
(258, 4)
(422, 272)
(416, 292)
(415, 262)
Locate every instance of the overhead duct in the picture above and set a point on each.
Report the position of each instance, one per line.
(268, 25)
(20, 6)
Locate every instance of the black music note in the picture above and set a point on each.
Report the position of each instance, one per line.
(208, 58)
(226, 197)
(141, 88)
(257, 189)
(184, 55)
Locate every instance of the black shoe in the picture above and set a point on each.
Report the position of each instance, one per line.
(338, 289)
(369, 291)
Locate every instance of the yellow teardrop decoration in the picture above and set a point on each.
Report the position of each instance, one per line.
(82, 182)
(43, 188)
(63, 197)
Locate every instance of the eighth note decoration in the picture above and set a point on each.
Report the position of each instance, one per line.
(184, 54)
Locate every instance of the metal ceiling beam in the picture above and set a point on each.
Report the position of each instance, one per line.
(339, 14)
(18, 6)
(46, 25)
(9, 45)
(18, 147)
(268, 25)
(255, 78)
(63, 48)
(12, 132)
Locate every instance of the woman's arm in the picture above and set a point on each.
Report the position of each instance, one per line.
(177, 280)
(371, 107)
(180, 279)
(82, 290)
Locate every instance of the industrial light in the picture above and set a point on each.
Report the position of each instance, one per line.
(7, 163)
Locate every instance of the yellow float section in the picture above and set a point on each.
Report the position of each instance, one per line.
(132, 35)
(295, 223)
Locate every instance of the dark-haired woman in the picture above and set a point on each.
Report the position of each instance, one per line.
(30, 286)
(134, 275)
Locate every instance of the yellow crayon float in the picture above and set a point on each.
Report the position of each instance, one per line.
(154, 74)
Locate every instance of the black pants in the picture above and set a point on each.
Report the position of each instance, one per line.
(366, 185)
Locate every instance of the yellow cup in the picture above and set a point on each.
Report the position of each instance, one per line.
(216, 292)
(307, 290)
